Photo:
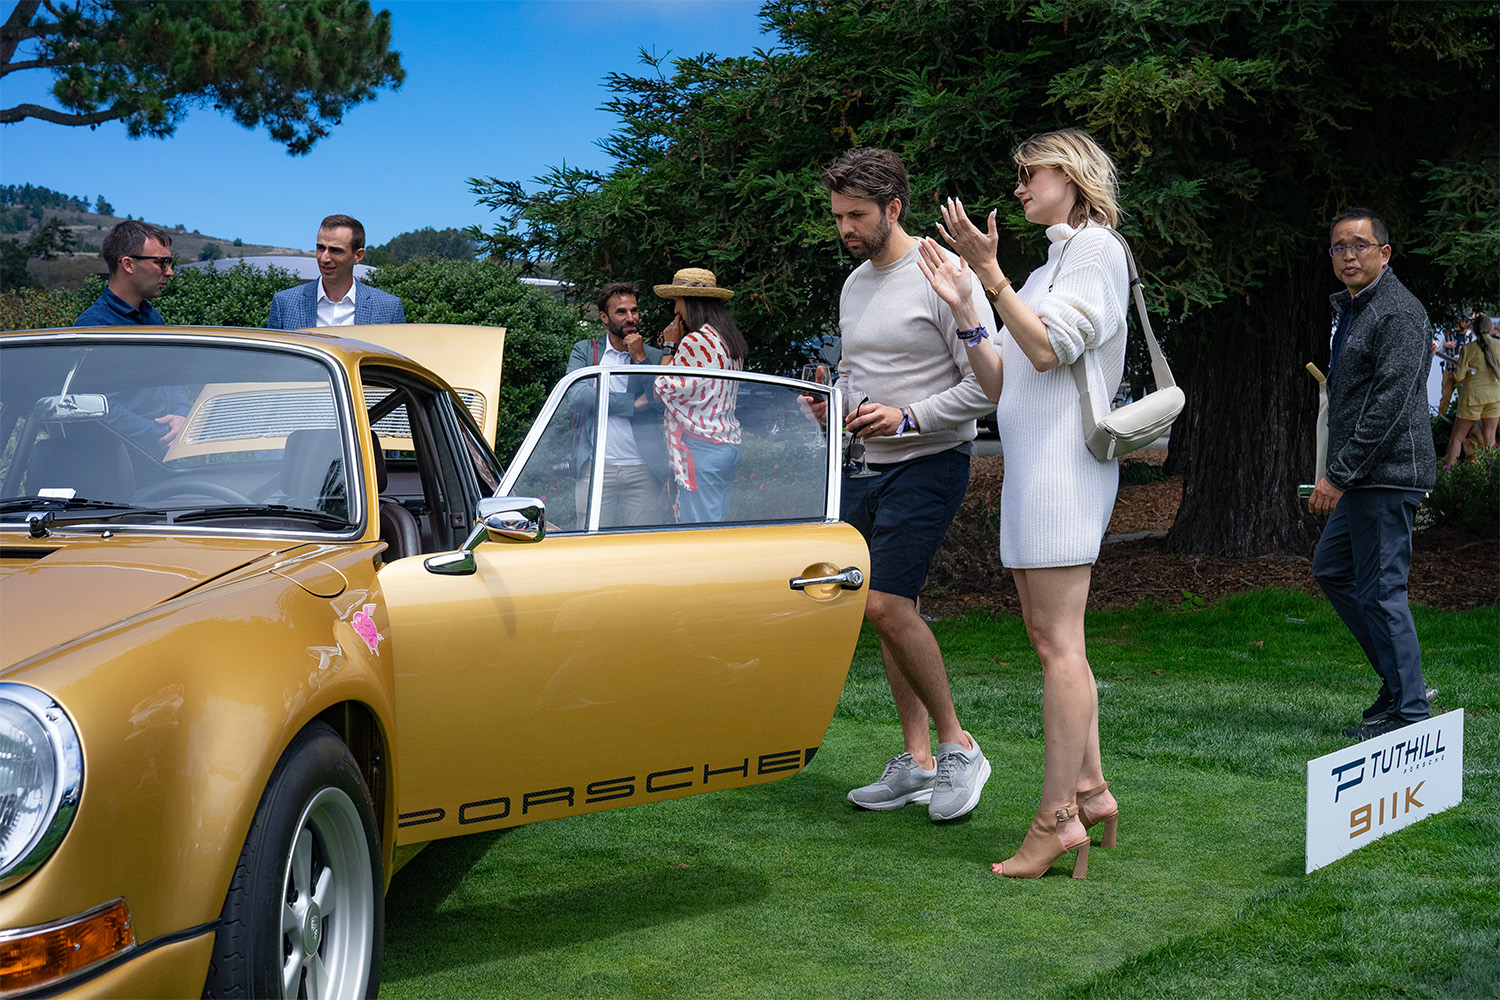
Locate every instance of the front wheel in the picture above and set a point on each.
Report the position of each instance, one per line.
(305, 912)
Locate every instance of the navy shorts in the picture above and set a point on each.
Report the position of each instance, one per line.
(904, 513)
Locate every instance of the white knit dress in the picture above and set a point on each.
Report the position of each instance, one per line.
(1057, 497)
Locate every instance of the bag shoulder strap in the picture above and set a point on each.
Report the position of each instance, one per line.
(1160, 370)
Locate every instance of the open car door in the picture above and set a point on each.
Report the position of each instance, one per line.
(563, 662)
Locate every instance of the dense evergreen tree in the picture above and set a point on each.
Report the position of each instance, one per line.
(294, 68)
(50, 239)
(1240, 127)
(35, 196)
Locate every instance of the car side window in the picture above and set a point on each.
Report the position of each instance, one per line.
(425, 463)
(692, 447)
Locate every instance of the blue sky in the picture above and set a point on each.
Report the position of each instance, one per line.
(492, 89)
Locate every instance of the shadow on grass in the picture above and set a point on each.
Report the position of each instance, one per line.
(520, 925)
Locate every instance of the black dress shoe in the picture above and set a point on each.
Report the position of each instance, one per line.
(1386, 725)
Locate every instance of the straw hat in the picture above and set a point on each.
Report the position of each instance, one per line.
(693, 281)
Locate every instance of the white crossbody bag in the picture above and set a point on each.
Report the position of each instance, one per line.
(1136, 424)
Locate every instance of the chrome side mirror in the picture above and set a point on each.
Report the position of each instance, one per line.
(501, 519)
(515, 519)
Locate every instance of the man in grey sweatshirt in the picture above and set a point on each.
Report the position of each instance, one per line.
(916, 421)
(1381, 462)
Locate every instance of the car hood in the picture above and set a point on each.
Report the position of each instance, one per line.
(69, 585)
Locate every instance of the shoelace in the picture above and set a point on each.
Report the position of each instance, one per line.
(949, 763)
(895, 764)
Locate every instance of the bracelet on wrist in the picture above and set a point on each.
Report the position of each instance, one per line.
(907, 423)
(973, 338)
(992, 292)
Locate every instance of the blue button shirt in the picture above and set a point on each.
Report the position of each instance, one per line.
(111, 310)
(133, 414)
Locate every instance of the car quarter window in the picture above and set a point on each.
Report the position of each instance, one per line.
(677, 448)
(481, 456)
(428, 458)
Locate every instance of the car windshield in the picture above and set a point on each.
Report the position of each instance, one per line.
(157, 431)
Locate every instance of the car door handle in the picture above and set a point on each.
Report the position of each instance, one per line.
(850, 578)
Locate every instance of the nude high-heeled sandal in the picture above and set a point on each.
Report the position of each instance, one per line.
(1042, 847)
(1091, 817)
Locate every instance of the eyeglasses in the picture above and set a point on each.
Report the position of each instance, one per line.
(1358, 249)
(162, 262)
(1023, 174)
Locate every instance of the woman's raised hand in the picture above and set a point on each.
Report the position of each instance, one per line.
(948, 275)
(673, 332)
(980, 249)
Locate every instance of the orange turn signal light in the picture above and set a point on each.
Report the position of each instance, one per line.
(34, 956)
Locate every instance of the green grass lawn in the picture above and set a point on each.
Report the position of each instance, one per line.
(1208, 718)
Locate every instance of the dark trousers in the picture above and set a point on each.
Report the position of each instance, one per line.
(1362, 563)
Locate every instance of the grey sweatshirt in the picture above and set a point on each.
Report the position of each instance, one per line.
(899, 349)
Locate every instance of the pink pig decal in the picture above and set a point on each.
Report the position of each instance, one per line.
(365, 626)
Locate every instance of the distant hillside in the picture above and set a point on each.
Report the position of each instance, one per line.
(89, 229)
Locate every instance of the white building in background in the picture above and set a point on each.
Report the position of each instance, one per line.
(305, 268)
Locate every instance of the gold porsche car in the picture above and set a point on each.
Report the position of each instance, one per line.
(273, 616)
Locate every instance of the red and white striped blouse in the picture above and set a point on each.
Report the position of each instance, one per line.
(698, 407)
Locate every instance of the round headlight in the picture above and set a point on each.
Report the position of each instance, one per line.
(41, 775)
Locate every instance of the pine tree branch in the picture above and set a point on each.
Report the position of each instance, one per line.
(18, 28)
(9, 116)
(8, 68)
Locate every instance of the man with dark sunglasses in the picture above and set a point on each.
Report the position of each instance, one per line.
(139, 257)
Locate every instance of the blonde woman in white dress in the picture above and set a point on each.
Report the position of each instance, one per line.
(1057, 498)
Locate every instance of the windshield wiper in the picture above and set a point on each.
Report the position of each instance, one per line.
(263, 510)
(62, 503)
(39, 512)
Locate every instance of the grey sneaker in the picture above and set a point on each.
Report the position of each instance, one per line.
(961, 775)
(901, 782)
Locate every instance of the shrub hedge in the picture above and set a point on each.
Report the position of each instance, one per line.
(1467, 494)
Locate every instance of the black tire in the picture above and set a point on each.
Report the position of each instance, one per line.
(313, 856)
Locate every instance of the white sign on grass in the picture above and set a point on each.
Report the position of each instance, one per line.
(1357, 795)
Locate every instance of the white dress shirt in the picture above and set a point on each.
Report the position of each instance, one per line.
(338, 312)
(620, 447)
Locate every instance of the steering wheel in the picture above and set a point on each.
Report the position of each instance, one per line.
(191, 487)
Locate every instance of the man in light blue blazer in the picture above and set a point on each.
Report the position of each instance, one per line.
(335, 299)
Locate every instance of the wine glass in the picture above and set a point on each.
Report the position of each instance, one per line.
(815, 373)
(819, 374)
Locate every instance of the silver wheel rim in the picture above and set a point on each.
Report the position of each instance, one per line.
(327, 902)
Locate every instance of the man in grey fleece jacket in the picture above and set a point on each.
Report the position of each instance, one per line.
(1381, 462)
